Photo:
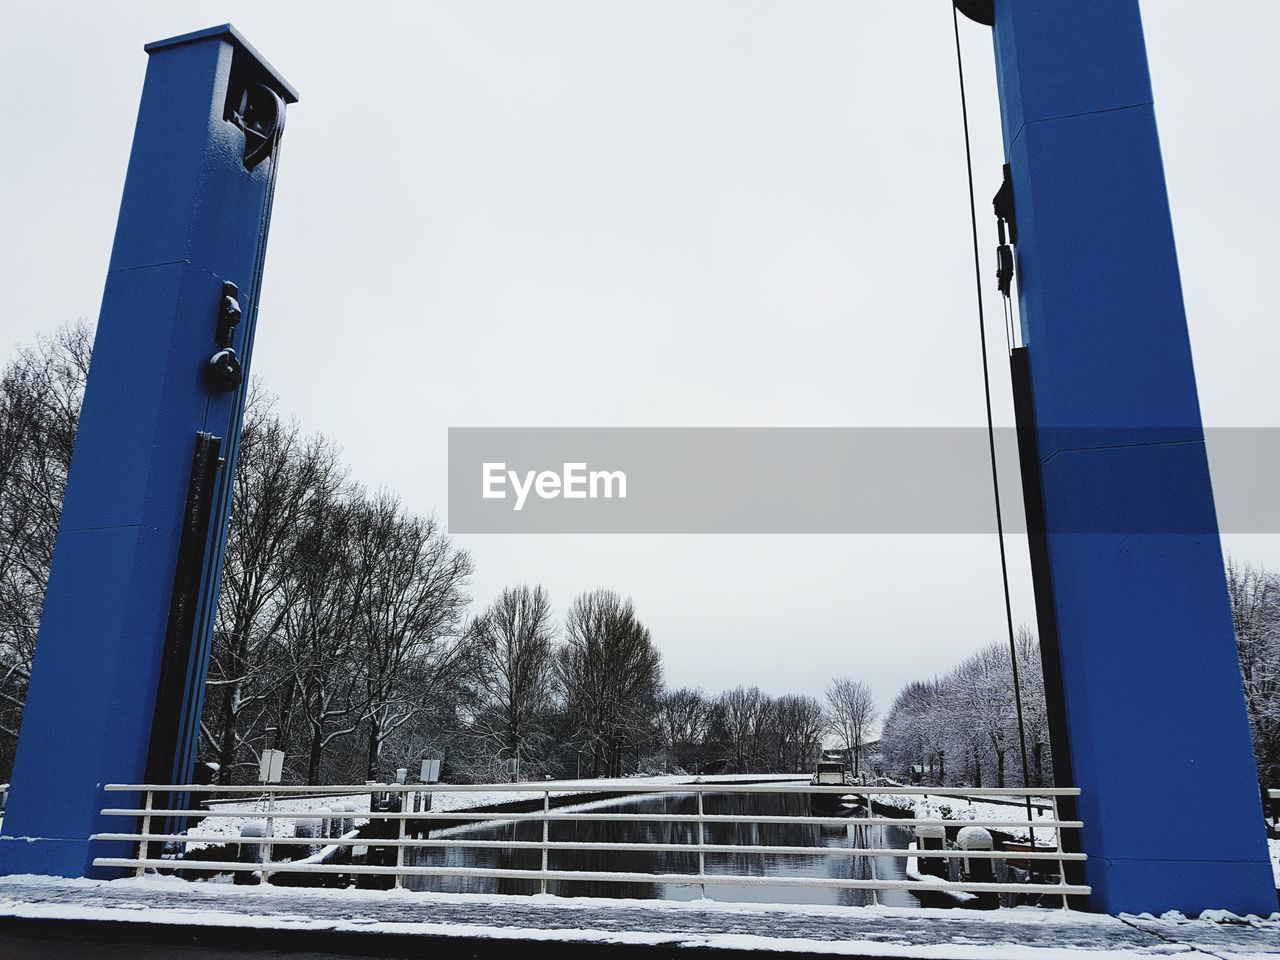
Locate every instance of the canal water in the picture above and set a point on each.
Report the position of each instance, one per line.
(745, 834)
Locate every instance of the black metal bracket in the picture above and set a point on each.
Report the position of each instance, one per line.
(979, 11)
(1005, 208)
(260, 114)
(1004, 269)
(224, 373)
(228, 314)
(1007, 227)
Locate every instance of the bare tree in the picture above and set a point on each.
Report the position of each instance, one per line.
(746, 713)
(514, 655)
(609, 674)
(277, 477)
(319, 642)
(684, 717)
(408, 605)
(40, 396)
(851, 711)
(799, 721)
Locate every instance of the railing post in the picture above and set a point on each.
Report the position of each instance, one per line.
(546, 825)
(875, 894)
(702, 856)
(1062, 866)
(270, 834)
(1031, 818)
(400, 841)
(144, 844)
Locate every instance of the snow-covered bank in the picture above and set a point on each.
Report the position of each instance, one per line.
(961, 809)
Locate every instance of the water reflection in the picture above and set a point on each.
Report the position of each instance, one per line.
(657, 862)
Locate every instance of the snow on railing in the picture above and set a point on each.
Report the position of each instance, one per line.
(401, 821)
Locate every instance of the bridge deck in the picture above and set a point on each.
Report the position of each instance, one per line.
(849, 931)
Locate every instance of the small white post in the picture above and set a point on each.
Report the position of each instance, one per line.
(875, 894)
(400, 846)
(146, 829)
(702, 856)
(270, 834)
(546, 825)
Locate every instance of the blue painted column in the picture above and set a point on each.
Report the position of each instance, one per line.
(135, 573)
(1159, 739)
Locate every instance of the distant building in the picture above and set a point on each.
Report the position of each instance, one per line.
(869, 758)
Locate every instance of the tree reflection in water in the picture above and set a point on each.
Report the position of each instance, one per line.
(657, 862)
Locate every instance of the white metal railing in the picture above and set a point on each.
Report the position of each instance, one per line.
(408, 829)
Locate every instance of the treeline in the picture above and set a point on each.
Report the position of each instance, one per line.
(962, 729)
(1255, 610)
(745, 730)
(344, 634)
(742, 730)
(40, 391)
(340, 619)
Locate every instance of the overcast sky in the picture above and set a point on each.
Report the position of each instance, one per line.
(658, 213)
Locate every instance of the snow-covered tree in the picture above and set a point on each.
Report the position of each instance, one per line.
(851, 710)
(962, 728)
(1255, 611)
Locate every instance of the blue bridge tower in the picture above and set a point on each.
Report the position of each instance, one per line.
(1131, 590)
(119, 671)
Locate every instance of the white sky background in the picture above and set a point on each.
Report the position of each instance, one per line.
(650, 213)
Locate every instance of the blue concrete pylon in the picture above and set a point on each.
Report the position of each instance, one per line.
(118, 677)
(1154, 708)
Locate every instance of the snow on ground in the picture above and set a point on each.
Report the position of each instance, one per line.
(1025, 933)
(227, 829)
(961, 809)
